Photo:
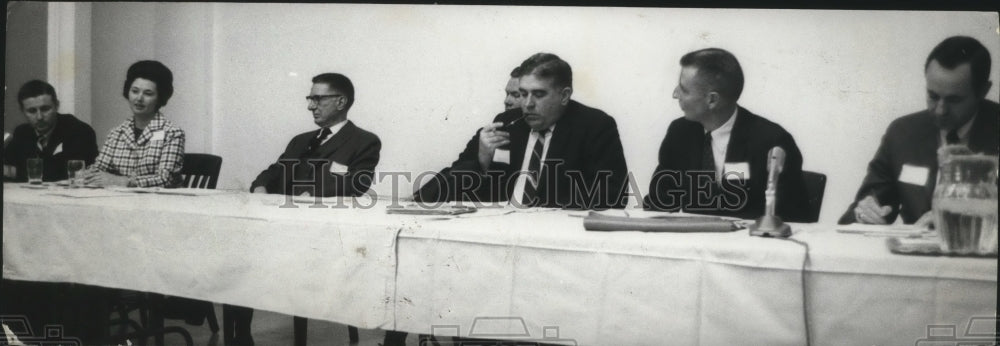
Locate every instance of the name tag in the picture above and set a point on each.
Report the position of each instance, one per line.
(58, 149)
(336, 168)
(501, 156)
(915, 175)
(158, 136)
(736, 170)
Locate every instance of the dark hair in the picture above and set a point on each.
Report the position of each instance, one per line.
(35, 88)
(339, 82)
(719, 69)
(546, 65)
(155, 72)
(516, 72)
(957, 50)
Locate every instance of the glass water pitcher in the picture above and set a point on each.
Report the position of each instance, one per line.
(965, 201)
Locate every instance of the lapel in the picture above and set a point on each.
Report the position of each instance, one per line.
(156, 124)
(736, 150)
(981, 132)
(336, 142)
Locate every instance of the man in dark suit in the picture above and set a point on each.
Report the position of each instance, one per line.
(714, 159)
(338, 159)
(551, 152)
(53, 137)
(902, 175)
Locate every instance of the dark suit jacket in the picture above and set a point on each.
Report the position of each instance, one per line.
(74, 139)
(351, 146)
(673, 187)
(913, 140)
(584, 167)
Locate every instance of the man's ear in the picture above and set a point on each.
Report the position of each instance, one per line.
(565, 94)
(341, 103)
(712, 99)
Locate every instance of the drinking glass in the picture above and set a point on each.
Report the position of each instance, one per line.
(35, 171)
(73, 169)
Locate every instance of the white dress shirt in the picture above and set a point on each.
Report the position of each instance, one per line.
(963, 132)
(333, 131)
(720, 143)
(522, 178)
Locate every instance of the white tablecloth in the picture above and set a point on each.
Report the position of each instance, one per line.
(600, 288)
(233, 248)
(540, 268)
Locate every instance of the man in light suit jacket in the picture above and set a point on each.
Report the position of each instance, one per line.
(902, 175)
(338, 159)
(551, 152)
(714, 159)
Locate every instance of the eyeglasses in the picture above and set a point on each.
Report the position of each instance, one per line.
(319, 98)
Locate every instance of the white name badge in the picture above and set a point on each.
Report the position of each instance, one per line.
(337, 168)
(158, 136)
(501, 156)
(915, 175)
(735, 170)
(58, 149)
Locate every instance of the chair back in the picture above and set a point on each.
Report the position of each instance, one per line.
(201, 171)
(815, 188)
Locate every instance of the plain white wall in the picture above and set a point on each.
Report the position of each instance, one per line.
(428, 76)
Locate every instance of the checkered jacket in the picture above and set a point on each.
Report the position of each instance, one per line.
(155, 159)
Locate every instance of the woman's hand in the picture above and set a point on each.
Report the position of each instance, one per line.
(103, 179)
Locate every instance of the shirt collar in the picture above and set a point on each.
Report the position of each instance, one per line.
(726, 127)
(157, 122)
(963, 131)
(335, 128)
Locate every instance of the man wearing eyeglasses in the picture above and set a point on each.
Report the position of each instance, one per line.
(338, 159)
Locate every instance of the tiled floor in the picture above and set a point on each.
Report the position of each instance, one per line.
(270, 328)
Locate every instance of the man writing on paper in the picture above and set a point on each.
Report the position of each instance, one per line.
(53, 137)
(338, 159)
(714, 159)
(902, 175)
(551, 152)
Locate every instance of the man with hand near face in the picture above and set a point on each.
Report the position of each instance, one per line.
(551, 152)
(902, 175)
(55, 138)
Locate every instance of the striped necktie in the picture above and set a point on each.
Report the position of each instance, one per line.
(534, 170)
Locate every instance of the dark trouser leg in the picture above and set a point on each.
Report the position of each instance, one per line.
(394, 338)
(236, 325)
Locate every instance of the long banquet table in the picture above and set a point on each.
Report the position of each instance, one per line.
(498, 273)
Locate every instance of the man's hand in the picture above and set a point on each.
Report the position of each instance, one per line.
(9, 171)
(259, 189)
(869, 211)
(926, 220)
(489, 140)
(104, 179)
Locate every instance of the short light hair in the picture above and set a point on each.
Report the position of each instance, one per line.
(719, 68)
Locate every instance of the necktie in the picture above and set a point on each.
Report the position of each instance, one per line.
(317, 141)
(534, 168)
(952, 137)
(42, 141)
(707, 155)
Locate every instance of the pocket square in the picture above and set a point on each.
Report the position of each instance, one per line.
(336, 168)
